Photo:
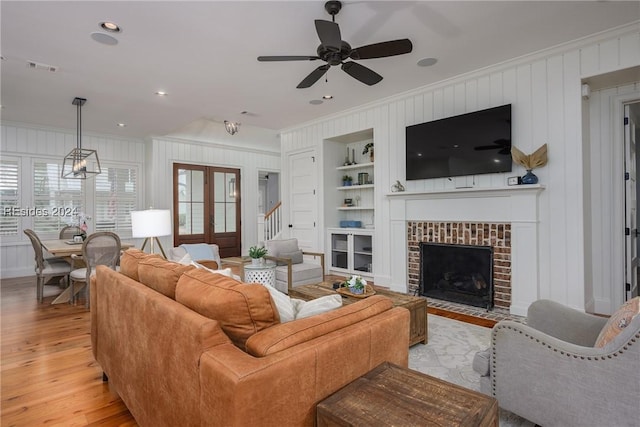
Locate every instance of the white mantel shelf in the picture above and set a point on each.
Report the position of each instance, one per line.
(468, 192)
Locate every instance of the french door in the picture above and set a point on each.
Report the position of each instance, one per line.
(206, 206)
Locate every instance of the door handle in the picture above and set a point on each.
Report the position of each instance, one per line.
(290, 225)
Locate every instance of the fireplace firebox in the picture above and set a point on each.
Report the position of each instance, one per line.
(457, 273)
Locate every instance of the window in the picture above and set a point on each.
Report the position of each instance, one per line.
(116, 196)
(9, 197)
(58, 200)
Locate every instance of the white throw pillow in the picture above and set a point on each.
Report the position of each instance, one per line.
(283, 304)
(318, 306)
(291, 308)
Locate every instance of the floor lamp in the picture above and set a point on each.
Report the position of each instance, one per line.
(151, 224)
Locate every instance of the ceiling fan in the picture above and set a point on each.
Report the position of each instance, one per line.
(335, 51)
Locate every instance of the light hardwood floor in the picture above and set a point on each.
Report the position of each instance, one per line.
(48, 373)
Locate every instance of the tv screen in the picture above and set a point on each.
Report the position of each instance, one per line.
(468, 144)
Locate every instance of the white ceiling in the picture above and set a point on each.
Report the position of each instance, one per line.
(204, 55)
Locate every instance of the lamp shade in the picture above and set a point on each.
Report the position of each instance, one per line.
(151, 223)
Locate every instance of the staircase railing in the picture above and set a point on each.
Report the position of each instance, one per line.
(270, 224)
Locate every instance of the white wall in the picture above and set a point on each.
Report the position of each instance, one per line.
(544, 90)
(31, 141)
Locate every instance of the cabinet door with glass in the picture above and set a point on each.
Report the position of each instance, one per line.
(207, 207)
(351, 251)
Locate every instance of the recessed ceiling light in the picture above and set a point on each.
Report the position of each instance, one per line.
(122, 125)
(161, 93)
(327, 96)
(110, 26)
(104, 38)
(427, 62)
(316, 101)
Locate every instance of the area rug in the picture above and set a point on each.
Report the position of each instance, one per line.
(449, 356)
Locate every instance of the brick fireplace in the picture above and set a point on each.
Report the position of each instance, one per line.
(505, 218)
(495, 235)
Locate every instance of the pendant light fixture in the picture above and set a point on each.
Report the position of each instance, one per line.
(231, 127)
(80, 163)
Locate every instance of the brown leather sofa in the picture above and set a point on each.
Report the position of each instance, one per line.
(182, 346)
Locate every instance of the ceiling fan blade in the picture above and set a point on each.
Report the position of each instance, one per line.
(382, 50)
(313, 77)
(329, 34)
(362, 73)
(287, 58)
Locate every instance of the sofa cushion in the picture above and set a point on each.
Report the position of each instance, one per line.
(618, 321)
(241, 309)
(129, 262)
(161, 275)
(286, 335)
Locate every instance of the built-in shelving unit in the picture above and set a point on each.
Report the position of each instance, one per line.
(351, 251)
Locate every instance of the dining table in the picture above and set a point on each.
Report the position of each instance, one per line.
(65, 248)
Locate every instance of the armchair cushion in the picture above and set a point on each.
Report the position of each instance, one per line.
(296, 257)
(618, 321)
(283, 246)
(301, 273)
(241, 309)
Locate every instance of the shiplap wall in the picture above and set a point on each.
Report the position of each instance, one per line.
(164, 152)
(544, 90)
(29, 142)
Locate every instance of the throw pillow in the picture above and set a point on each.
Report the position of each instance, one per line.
(296, 257)
(283, 303)
(618, 321)
(318, 306)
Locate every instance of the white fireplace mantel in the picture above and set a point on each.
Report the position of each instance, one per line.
(517, 205)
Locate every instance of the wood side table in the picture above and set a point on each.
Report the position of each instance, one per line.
(417, 306)
(390, 395)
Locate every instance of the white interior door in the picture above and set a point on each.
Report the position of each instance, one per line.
(303, 206)
(631, 227)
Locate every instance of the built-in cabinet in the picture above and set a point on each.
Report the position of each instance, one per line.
(351, 251)
(358, 193)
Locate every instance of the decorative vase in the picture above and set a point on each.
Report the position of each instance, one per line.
(346, 183)
(356, 291)
(256, 261)
(529, 178)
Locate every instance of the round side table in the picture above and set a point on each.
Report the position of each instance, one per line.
(262, 273)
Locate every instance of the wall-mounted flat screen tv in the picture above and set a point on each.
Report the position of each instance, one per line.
(469, 144)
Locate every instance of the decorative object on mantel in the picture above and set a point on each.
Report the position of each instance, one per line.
(397, 187)
(80, 163)
(531, 161)
(369, 149)
(257, 253)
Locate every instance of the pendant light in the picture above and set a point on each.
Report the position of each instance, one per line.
(80, 163)
(231, 127)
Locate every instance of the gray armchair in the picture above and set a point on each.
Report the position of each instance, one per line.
(550, 372)
(295, 266)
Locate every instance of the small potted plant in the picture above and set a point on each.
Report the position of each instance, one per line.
(257, 253)
(347, 180)
(356, 284)
(369, 149)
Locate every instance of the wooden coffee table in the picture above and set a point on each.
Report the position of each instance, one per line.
(417, 306)
(393, 396)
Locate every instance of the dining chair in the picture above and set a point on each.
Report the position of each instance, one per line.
(102, 248)
(68, 232)
(46, 268)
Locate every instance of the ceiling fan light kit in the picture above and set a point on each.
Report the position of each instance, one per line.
(231, 127)
(335, 51)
